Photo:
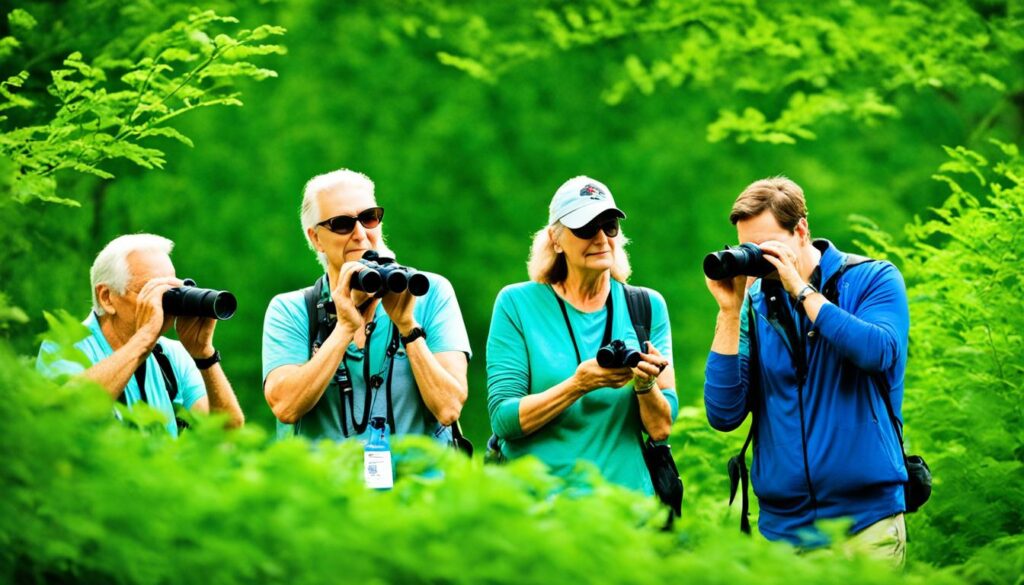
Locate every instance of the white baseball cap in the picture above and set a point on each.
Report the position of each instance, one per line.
(579, 200)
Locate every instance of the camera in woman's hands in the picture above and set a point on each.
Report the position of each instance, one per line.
(616, 355)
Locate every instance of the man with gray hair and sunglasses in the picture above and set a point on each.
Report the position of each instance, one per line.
(130, 357)
(335, 357)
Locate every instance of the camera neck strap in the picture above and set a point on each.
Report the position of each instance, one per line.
(608, 320)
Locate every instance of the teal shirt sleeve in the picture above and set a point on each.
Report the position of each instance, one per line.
(661, 338)
(508, 370)
(441, 319)
(285, 333)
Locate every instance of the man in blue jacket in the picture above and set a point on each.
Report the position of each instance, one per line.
(824, 446)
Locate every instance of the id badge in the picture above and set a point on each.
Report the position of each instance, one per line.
(377, 469)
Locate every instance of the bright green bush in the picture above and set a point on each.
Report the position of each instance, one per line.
(964, 403)
(87, 500)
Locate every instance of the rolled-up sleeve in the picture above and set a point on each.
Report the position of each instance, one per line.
(508, 369)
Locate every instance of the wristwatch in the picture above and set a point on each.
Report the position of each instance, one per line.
(415, 334)
(805, 292)
(207, 363)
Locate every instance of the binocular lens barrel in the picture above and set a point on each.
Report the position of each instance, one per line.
(192, 301)
(368, 281)
(746, 259)
(617, 355)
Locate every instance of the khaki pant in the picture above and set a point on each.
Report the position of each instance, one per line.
(885, 540)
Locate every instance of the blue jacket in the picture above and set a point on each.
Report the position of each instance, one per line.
(823, 448)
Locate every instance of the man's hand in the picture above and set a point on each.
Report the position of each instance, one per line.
(196, 334)
(399, 308)
(591, 376)
(347, 301)
(728, 293)
(149, 310)
(786, 262)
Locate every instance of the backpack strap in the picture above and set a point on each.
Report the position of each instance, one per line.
(638, 303)
(170, 383)
(311, 296)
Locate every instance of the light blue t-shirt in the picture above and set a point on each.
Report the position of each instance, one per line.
(190, 382)
(286, 342)
(529, 350)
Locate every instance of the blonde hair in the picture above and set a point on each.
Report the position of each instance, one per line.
(547, 266)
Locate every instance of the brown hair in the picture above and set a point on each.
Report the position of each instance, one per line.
(781, 196)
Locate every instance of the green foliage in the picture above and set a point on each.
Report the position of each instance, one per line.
(780, 68)
(965, 380)
(466, 170)
(88, 500)
(108, 106)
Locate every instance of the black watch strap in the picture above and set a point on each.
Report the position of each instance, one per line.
(805, 292)
(207, 363)
(415, 334)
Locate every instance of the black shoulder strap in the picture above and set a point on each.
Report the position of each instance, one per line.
(739, 476)
(831, 292)
(831, 288)
(170, 380)
(312, 298)
(638, 303)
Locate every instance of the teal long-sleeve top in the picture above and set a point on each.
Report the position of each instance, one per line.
(529, 350)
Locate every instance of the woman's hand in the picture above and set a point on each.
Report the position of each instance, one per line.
(347, 301)
(646, 373)
(591, 376)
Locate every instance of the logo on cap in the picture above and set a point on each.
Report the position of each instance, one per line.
(593, 192)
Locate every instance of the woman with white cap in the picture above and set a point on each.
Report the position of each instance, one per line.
(547, 394)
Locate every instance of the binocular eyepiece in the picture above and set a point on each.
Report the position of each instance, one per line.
(192, 301)
(383, 275)
(617, 355)
(746, 259)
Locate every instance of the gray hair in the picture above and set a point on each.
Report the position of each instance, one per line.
(549, 267)
(111, 264)
(309, 212)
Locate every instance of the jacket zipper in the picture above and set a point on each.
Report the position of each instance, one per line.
(801, 376)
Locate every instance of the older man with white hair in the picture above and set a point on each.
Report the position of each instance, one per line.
(328, 369)
(130, 357)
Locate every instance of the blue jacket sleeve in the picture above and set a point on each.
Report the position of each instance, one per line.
(875, 335)
(508, 368)
(726, 383)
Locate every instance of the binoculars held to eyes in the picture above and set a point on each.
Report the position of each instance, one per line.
(746, 259)
(383, 275)
(617, 355)
(192, 301)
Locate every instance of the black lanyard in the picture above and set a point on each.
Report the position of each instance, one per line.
(343, 380)
(372, 383)
(609, 318)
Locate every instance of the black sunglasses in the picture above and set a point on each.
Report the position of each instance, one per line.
(344, 224)
(610, 227)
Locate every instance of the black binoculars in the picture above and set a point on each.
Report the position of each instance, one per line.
(383, 275)
(746, 259)
(617, 355)
(192, 301)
